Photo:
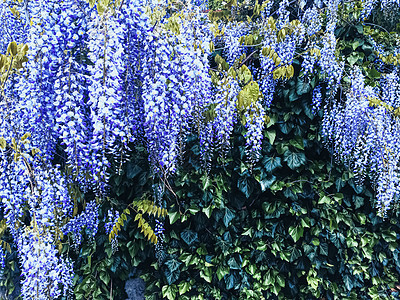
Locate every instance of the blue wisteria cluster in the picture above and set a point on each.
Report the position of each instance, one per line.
(88, 220)
(112, 219)
(97, 80)
(316, 99)
(231, 37)
(45, 273)
(365, 135)
(217, 132)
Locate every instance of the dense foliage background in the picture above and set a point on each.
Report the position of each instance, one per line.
(288, 220)
(296, 226)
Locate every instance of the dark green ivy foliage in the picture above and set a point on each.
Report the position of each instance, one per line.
(295, 226)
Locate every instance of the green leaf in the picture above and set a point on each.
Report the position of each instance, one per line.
(173, 216)
(284, 255)
(276, 289)
(271, 135)
(206, 274)
(228, 216)
(277, 186)
(297, 142)
(294, 159)
(358, 201)
(3, 143)
(132, 170)
(296, 232)
(189, 236)
(389, 236)
(169, 291)
(280, 280)
(348, 283)
(233, 264)
(230, 281)
(362, 218)
(324, 200)
(172, 276)
(269, 278)
(184, 287)
(222, 271)
(373, 73)
(355, 45)
(324, 249)
(271, 163)
(105, 277)
(294, 254)
(354, 57)
(206, 181)
(245, 186)
(302, 87)
(208, 211)
(173, 264)
(267, 182)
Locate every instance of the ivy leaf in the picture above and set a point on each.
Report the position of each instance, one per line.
(132, 170)
(271, 163)
(271, 135)
(280, 280)
(267, 182)
(189, 236)
(206, 274)
(297, 142)
(172, 276)
(169, 292)
(285, 127)
(294, 159)
(358, 201)
(232, 263)
(222, 271)
(294, 254)
(173, 216)
(105, 277)
(244, 186)
(228, 216)
(173, 264)
(296, 232)
(324, 200)
(324, 249)
(373, 73)
(302, 87)
(269, 278)
(348, 283)
(184, 286)
(230, 281)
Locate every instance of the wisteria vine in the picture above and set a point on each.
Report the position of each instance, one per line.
(81, 83)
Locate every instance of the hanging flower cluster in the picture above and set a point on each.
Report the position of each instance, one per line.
(365, 135)
(111, 220)
(43, 270)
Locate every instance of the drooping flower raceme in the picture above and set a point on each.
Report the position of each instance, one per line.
(110, 135)
(44, 272)
(366, 135)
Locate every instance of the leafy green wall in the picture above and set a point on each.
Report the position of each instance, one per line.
(295, 226)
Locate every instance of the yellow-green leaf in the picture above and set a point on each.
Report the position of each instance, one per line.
(12, 48)
(3, 143)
